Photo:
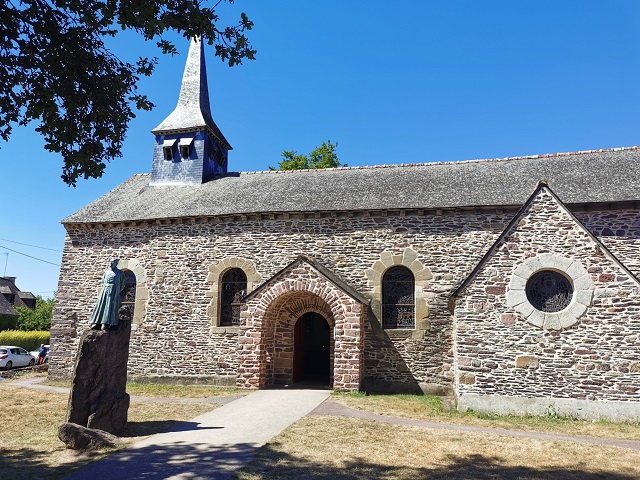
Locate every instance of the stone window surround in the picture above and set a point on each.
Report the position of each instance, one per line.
(421, 274)
(214, 278)
(142, 292)
(578, 276)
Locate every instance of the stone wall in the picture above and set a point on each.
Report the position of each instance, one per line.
(619, 231)
(178, 337)
(502, 355)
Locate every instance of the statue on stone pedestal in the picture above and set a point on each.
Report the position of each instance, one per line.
(105, 313)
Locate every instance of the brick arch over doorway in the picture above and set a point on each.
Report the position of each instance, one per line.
(294, 306)
(270, 312)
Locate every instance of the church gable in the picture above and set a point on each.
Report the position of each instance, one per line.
(548, 311)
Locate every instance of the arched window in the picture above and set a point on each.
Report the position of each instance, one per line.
(398, 303)
(128, 295)
(234, 287)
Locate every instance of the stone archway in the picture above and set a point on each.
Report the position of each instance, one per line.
(266, 340)
(285, 315)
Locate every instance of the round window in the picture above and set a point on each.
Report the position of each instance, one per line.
(549, 291)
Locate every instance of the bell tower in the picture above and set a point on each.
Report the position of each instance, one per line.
(189, 146)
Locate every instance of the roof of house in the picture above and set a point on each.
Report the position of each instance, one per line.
(8, 286)
(6, 308)
(577, 178)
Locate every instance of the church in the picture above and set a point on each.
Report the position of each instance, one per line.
(510, 284)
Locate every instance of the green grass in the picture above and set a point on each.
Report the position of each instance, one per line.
(430, 408)
(168, 391)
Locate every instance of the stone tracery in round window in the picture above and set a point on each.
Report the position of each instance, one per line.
(549, 291)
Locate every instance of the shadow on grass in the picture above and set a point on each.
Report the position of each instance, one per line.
(32, 464)
(192, 460)
(270, 464)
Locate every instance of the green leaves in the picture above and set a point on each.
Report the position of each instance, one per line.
(323, 156)
(58, 72)
(38, 319)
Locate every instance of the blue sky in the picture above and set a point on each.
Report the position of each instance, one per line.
(391, 82)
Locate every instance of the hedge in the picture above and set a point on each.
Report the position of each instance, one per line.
(8, 322)
(27, 340)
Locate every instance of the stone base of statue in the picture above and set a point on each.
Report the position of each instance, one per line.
(99, 399)
(81, 438)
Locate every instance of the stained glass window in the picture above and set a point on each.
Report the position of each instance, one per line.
(233, 289)
(549, 291)
(398, 305)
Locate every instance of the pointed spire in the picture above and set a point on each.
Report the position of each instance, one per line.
(193, 111)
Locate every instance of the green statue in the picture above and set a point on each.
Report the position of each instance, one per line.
(105, 313)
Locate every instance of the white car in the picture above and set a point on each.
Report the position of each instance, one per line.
(11, 357)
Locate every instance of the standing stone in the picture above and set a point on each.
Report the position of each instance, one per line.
(98, 397)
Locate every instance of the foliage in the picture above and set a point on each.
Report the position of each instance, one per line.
(38, 319)
(323, 156)
(8, 322)
(27, 340)
(57, 70)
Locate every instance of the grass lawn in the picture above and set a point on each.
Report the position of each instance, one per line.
(29, 420)
(167, 391)
(346, 448)
(428, 408)
(325, 447)
(340, 448)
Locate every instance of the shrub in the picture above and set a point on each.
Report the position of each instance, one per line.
(37, 319)
(8, 322)
(27, 340)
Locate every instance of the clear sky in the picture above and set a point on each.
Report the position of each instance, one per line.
(391, 82)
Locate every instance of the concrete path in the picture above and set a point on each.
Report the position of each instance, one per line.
(212, 446)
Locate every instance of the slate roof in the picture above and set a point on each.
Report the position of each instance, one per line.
(193, 111)
(8, 286)
(6, 308)
(577, 178)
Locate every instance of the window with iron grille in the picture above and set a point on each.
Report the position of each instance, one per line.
(128, 295)
(233, 289)
(398, 303)
(549, 291)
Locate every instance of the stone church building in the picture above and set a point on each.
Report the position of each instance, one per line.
(511, 284)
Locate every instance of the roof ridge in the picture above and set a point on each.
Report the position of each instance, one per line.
(450, 162)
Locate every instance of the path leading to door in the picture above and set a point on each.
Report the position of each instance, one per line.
(212, 446)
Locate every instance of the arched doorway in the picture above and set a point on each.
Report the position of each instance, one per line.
(312, 349)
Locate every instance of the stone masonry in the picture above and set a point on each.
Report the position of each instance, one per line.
(589, 353)
(178, 339)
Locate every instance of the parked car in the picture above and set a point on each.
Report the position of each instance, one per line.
(36, 353)
(11, 357)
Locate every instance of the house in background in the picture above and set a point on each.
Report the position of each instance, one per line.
(11, 297)
(14, 295)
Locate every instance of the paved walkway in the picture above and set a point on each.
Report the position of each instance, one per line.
(212, 446)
